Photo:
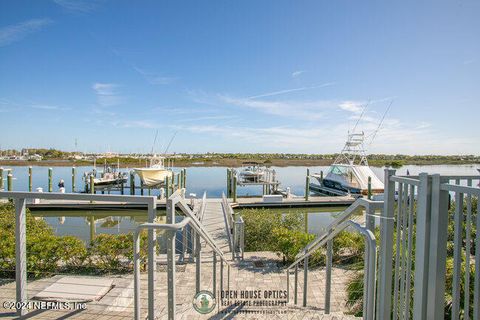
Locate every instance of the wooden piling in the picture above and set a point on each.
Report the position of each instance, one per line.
(167, 187)
(92, 185)
(132, 183)
(50, 176)
(73, 179)
(1, 178)
(9, 181)
(229, 173)
(141, 188)
(184, 177)
(30, 179)
(307, 185)
(234, 188)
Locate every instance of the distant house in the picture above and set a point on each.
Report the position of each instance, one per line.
(35, 157)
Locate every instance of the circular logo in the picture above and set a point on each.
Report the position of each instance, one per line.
(204, 302)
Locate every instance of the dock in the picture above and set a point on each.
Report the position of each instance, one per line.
(240, 203)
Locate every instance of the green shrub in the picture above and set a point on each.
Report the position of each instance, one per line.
(109, 252)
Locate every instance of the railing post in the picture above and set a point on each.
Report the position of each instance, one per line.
(221, 276)
(328, 276)
(21, 255)
(9, 181)
(170, 274)
(422, 247)
(288, 285)
(136, 274)
(198, 262)
(214, 274)
(438, 249)
(295, 288)
(152, 254)
(305, 281)
(384, 297)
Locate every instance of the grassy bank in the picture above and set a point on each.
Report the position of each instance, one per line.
(226, 161)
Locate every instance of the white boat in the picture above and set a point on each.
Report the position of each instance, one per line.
(252, 172)
(155, 174)
(350, 171)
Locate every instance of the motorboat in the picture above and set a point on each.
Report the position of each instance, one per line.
(108, 178)
(155, 174)
(251, 172)
(350, 172)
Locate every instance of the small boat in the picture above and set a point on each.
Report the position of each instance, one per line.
(108, 178)
(252, 172)
(350, 171)
(155, 174)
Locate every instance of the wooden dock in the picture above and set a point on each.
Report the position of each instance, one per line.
(214, 222)
(242, 202)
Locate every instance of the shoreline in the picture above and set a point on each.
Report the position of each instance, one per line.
(230, 163)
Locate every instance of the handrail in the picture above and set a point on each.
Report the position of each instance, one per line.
(177, 199)
(320, 240)
(136, 259)
(228, 213)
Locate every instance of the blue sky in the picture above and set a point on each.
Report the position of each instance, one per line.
(240, 76)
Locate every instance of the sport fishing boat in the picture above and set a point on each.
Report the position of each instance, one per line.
(350, 171)
(155, 174)
(251, 172)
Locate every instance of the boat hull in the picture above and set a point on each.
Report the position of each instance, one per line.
(152, 176)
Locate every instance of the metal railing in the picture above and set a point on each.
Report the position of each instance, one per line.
(338, 225)
(20, 199)
(236, 227)
(191, 219)
(419, 234)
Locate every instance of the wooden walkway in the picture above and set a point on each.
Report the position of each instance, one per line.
(214, 222)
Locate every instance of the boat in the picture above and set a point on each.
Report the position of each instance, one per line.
(350, 172)
(251, 172)
(108, 178)
(155, 174)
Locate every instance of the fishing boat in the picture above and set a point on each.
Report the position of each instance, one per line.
(110, 177)
(155, 174)
(251, 172)
(350, 172)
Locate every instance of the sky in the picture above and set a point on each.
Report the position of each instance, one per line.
(240, 76)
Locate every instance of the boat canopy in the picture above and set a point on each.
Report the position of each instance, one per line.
(354, 176)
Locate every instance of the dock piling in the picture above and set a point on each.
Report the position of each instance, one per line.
(167, 187)
(30, 179)
(234, 188)
(132, 183)
(1, 178)
(50, 175)
(9, 181)
(307, 185)
(92, 185)
(229, 183)
(73, 179)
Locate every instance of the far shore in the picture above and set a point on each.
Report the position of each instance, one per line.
(230, 163)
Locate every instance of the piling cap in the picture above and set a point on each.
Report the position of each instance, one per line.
(61, 180)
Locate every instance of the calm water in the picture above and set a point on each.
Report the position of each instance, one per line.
(212, 180)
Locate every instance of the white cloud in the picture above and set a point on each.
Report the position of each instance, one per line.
(48, 107)
(107, 94)
(351, 106)
(276, 93)
(154, 78)
(77, 5)
(17, 32)
(298, 73)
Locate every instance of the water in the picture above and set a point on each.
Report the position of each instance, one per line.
(199, 179)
